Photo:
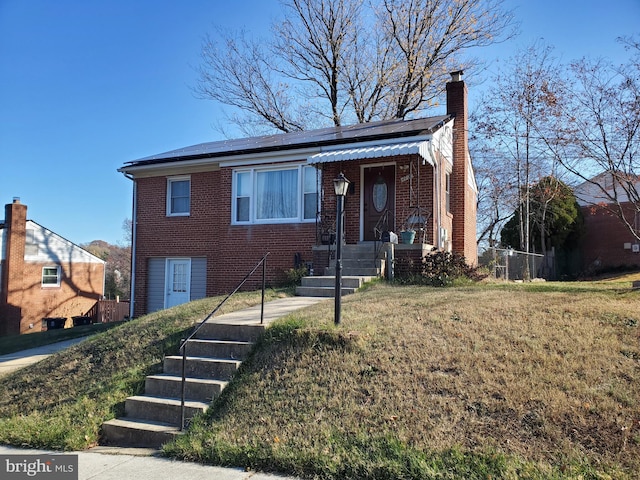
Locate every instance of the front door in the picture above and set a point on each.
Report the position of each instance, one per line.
(178, 281)
(379, 199)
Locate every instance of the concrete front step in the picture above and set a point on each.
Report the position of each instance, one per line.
(356, 263)
(202, 367)
(348, 281)
(136, 432)
(322, 291)
(353, 272)
(201, 389)
(213, 357)
(230, 332)
(162, 409)
(218, 348)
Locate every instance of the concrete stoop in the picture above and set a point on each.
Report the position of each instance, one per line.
(325, 286)
(359, 265)
(213, 357)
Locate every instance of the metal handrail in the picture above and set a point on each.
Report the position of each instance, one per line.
(381, 226)
(183, 344)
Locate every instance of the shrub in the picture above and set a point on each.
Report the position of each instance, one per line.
(438, 269)
(294, 276)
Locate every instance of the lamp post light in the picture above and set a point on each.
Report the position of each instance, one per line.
(341, 185)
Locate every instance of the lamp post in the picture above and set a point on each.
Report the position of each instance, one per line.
(341, 185)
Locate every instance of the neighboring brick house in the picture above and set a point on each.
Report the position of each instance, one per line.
(204, 215)
(42, 275)
(607, 242)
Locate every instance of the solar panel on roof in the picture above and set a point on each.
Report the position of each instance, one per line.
(286, 141)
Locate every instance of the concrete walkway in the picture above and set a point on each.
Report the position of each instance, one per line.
(124, 466)
(109, 463)
(17, 360)
(272, 310)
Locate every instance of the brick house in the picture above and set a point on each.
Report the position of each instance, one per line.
(205, 214)
(607, 242)
(42, 275)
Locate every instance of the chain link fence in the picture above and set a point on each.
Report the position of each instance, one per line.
(510, 264)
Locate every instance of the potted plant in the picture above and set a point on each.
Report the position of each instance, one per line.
(408, 235)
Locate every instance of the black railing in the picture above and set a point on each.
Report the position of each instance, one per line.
(183, 344)
(382, 226)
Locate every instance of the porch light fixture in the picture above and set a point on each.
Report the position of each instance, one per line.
(341, 185)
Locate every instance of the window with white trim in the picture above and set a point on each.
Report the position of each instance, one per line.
(51, 276)
(178, 196)
(275, 195)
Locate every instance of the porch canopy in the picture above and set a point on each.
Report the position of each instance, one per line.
(420, 148)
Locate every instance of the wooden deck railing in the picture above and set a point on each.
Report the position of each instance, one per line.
(105, 311)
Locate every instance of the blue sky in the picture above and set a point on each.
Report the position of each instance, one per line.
(87, 85)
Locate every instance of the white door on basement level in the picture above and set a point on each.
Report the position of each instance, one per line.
(178, 279)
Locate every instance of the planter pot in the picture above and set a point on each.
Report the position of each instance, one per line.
(408, 237)
(327, 238)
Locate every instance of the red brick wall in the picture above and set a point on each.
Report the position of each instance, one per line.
(231, 250)
(24, 302)
(80, 287)
(462, 196)
(603, 243)
(11, 301)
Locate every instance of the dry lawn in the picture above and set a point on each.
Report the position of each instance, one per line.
(547, 374)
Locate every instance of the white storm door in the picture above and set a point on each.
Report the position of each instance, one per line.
(178, 281)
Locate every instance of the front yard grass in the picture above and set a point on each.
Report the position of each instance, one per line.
(492, 381)
(537, 381)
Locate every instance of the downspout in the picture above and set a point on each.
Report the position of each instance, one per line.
(134, 228)
(436, 180)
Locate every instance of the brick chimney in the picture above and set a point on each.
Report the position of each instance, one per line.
(463, 196)
(15, 225)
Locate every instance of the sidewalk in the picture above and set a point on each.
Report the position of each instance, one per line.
(110, 463)
(17, 360)
(123, 466)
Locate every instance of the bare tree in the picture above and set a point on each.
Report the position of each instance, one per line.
(605, 112)
(345, 61)
(519, 123)
(427, 38)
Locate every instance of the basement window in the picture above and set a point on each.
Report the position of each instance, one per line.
(50, 277)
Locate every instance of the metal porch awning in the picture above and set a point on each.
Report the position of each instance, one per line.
(374, 151)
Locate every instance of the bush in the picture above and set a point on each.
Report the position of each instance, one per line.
(294, 276)
(438, 269)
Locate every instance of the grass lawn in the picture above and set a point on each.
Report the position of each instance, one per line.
(61, 402)
(492, 381)
(536, 381)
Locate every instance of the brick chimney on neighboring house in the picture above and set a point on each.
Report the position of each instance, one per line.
(463, 194)
(15, 226)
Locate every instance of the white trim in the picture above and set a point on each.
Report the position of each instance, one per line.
(58, 277)
(170, 180)
(167, 279)
(374, 151)
(252, 170)
(362, 192)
